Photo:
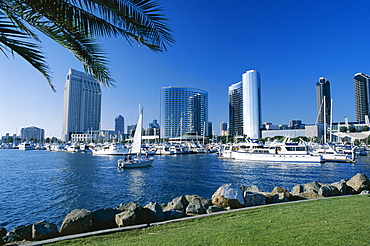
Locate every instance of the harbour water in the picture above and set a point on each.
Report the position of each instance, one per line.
(43, 185)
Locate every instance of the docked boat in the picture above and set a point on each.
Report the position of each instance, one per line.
(279, 152)
(226, 151)
(26, 146)
(111, 149)
(73, 147)
(129, 162)
(329, 153)
(163, 149)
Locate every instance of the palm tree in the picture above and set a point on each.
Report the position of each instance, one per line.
(76, 25)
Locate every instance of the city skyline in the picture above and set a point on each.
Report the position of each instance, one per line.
(291, 44)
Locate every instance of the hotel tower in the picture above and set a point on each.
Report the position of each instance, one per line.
(323, 101)
(82, 104)
(245, 115)
(362, 96)
(183, 110)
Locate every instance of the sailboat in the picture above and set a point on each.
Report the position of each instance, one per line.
(136, 149)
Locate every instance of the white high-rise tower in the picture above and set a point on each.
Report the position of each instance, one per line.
(245, 106)
(82, 104)
(252, 116)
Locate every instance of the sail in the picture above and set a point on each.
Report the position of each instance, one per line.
(136, 145)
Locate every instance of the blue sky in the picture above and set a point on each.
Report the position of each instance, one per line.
(291, 43)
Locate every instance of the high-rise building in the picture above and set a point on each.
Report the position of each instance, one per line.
(131, 129)
(183, 110)
(323, 101)
(119, 125)
(236, 109)
(32, 133)
(245, 116)
(210, 129)
(82, 104)
(362, 96)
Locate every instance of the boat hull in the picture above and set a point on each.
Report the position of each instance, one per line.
(276, 157)
(135, 163)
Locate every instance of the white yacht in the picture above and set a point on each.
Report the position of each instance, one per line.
(280, 152)
(163, 149)
(329, 153)
(248, 146)
(25, 146)
(111, 149)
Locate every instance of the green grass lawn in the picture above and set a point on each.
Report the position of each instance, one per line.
(336, 221)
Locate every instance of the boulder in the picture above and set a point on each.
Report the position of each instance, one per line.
(2, 234)
(8, 238)
(125, 218)
(104, 218)
(178, 203)
(195, 207)
(250, 188)
(77, 221)
(173, 214)
(270, 198)
(312, 186)
(141, 214)
(328, 190)
(214, 209)
(205, 201)
(197, 204)
(228, 195)
(155, 212)
(44, 230)
(254, 199)
(359, 182)
(343, 188)
(309, 195)
(23, 232)
(284, 195)
(297, 189)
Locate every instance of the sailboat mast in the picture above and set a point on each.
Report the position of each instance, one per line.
(324, 120)
(331, 120)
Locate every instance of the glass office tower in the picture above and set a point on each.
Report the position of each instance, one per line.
(183, 110)
(323, 101)
(362, 95)
(119, 125)
(82, 104)
(236, 109)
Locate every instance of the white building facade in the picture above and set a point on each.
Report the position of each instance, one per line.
(82, 104)
(245, 116)
(252, 115)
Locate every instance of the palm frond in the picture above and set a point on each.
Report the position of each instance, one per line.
(75, 23)
(85, 48)
(14, 40)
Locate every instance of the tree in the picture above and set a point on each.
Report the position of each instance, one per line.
(76, 25)
(343, 129)
(365, 128)
(352, 129)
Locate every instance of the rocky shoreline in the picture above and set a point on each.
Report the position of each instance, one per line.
(227, 197)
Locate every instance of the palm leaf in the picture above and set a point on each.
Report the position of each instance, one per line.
(14, 41)
(75, 23)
